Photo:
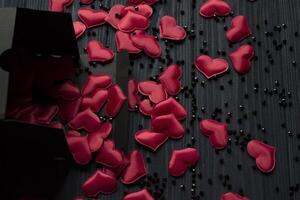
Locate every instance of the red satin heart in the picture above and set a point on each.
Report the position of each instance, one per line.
(152, 89)
(66, 91)
(211, 67)
(146, 42)
(142, 9)
(136, 2)
(79, 147)
(216, 131)
(181, 160)
(232, 196)
(98, 53)
(108, 155)
(146, 107)
(104, 130)
(115, 15)
(170, 79)
(239, 29)
(115, 101)
(150, 139)
(169, 29)
(95, 141)
(133, 21)
(169, 106)
(213, 8)
(139, 195)
(91, 17)
(99, 182)
(95, 102)
(116, 171)
(79, 28)
(87, 1)
(169, 125)
(69, 109)
(124, 42)
(95, 83)
(264, 155)
(241, 59)
(133, 98)
(86, 120)
(59, 5)
(136, 168)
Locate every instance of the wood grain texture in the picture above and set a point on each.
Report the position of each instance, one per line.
(254, 184)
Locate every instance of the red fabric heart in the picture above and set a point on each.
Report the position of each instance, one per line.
(115, 101)
(116, 171)
(79, 28)
(98, 53)
(108, 155)
(146, 107)
(133, 21)
(99, 182)
(181, 160)
(152, 89)
(136, 2)
(264, 155)
(211, 67)
(169, 106)
(69, 109)
(92, 18)
(95, 102)
(133, 98)
(95, 83)
(142, 9)
(124, 42)
(169, 29)
(213, 8)
(79, 147)
(139, 195)
(146, 42)
(170, 79)
(66, 91)
(86, 120)
(241, 59)
(232, 196)
(150, 139)
(216, 131)
(87, 1)
(136, 168)
(168, 125)
(239, 29)
(95, 141)
(115, 15)
(59, 5)
(104, 131)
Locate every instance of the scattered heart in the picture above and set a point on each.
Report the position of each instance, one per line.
(59, 5)
(79, 28)
(170, 79)
(170, 30)
(241, 59)
(212, 8)
(95, 102)
(124, 42)
(150, 139)
(133, 21)
(91, 17)
(211, 67)
(96, 82)
(139, 195)
(86, 120)
(115, 101)
(169, 125)
(108, 155)
(154, 90)
(98, 53)
(239, 29)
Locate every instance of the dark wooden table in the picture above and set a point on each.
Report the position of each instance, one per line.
(262, 118)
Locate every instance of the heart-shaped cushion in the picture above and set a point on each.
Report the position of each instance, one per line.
(96, 82)
(98, 53)
(169, 125)
(115, 15)
(95, 102)
(79, 28)
(108, 155)
(91, 17)
(142, 9)
(153, 90)
(146, 107)
(211, 67)
(124, 42)
(241, 59)
(150, 139)
(86, 120)
(115, 100)
(239, 29)
(170, 79)
(232, 196)
(212, 8)
(170, 30)
(133, 21)
(59, 5)
(139, 195)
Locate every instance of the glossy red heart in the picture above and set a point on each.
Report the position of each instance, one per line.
(264, 155)
(95, 102)
(59, 5)
(141, 9)
(211, 67)
(108, 155)
(99, 182)
(169, 125)
(95, 141)
(96, 82)
(79, 28)
(65, 91)
(133, 21)
(181, 160)
(79, 147)
(137, 2)
(239, 29)
(241, 59)
(115, 15)
(232, 196)
(139, 195)
(146, 107)
(115, 101)
(98, 53)
(170, 79)
(216, 131)
(86, 120)
(170, 30)
(104, 130)
(169, 106)
(213, 8)
(87, 1)
(124, 42)
(133, 98)
(69, 109)
(150, 139)
(116, 171)
(146, 42)
(136, 168)
(91, 17)
(154, 90)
